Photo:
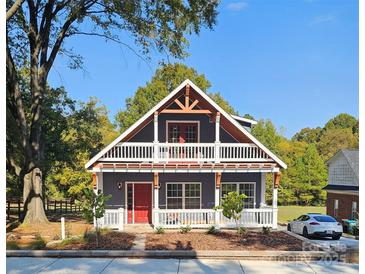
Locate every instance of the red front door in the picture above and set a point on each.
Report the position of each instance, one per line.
(142, 203)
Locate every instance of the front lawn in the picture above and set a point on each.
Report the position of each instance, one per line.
(223, 240)
(288, 213)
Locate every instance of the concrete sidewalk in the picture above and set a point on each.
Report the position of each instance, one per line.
(161, 266)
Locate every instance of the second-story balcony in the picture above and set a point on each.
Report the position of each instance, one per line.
(185, 152)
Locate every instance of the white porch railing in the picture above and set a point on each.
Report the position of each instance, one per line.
(188, 152)
(251, 217)
(203, 218)
(113, 218)
(195, 218)
(175, 218)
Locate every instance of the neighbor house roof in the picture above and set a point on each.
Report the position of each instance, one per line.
(352, 157)
(166, 100)
(341, 187)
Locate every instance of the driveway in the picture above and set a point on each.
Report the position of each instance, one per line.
(161, 266)
(341, 243)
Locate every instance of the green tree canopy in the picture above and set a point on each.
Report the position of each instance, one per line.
(341, 121)
(311, 176)
(308, 135)
(335, 139)
(266, 133)
(166, 78)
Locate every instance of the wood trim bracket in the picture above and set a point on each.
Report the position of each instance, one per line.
(218, 177)
(155, 180)
(277, 176)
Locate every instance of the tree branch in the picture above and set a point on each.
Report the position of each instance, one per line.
(13, 9)
(16, 99)
(113, 40)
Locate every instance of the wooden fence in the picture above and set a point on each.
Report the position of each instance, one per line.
(15, 207)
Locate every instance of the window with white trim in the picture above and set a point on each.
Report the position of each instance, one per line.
(248, 188)
(183, 195)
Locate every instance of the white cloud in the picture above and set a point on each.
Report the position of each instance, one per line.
(322, 19)
(237, 6)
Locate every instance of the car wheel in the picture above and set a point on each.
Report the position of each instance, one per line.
(337, 237)
(305, 232)
(289, 227)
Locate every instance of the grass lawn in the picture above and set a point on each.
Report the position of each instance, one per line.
(288, 213)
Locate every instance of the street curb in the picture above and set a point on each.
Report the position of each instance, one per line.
(245, 255)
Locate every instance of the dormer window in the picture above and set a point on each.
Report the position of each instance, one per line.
(183, 132)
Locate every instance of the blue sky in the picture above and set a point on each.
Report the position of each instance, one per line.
(294, 62)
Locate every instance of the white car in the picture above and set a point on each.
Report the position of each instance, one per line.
(314, 224)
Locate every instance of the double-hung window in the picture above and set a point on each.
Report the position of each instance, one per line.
(247, 188)
(183, 195)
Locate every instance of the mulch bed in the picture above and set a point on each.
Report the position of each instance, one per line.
(223, 240)
(110, 240)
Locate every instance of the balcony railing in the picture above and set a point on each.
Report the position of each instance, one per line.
(186, 152)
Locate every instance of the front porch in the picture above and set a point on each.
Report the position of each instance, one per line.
(185, 199)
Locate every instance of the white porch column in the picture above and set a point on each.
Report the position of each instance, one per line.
(276, 181)
(263, 189)
(99, 181)
(155, 199)
(217, 137)
(155, 137)
(218, 177)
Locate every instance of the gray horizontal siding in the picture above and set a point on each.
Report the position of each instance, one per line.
(111, 180)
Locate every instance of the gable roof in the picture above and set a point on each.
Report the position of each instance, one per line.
(351, 156)
(164, 101)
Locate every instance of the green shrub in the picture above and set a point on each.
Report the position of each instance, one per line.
(242, 230)
(39, 243)
(266, 230)
(71, 240)
(12, 245)
(89, 236)
(212, 230)
(185, 229)
(355, 230)
(159, 230)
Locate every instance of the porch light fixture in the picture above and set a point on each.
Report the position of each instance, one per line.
(119, 186)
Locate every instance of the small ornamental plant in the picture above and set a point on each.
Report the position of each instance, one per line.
(232, 205)
(159, 230)
(266, 230)
(185, 229)
(93, 207)
(242, 230)
(212, 230)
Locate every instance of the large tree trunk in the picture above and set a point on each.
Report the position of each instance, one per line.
(33, 198)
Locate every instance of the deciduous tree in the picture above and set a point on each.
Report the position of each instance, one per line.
(36, 32)
(166, 78)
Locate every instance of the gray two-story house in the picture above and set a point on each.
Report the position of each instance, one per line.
(175, 163)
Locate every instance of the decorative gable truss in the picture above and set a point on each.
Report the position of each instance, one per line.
(188, 99)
